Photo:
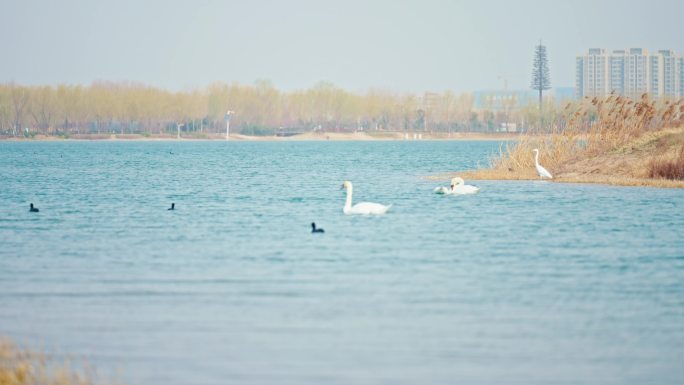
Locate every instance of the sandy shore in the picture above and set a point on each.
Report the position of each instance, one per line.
(588, 178)
(625, 166)
(309, 136)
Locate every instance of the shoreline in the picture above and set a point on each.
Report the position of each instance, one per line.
(607, 180)
(309, 136)
(627, 165)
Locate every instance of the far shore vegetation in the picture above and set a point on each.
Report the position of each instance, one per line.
(612, 140)
(103, 109)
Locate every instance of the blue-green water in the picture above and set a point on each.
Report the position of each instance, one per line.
(524, 283)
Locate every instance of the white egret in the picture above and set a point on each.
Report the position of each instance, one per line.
(543, 173)
(364, 208)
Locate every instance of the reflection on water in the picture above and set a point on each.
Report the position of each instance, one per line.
(523, 283)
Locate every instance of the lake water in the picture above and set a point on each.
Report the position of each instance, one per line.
(525, 283)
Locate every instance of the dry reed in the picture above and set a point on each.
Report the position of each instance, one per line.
(663, 167)
(590, 128)
(23, 367)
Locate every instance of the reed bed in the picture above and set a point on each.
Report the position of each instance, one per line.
(23, 367)
(593, 128)
(668, 168)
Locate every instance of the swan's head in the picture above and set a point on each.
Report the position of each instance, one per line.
(346, 184)
(456, 181)
(536, 151)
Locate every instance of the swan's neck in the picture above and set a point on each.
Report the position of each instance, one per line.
(348, 203)
(536, 158)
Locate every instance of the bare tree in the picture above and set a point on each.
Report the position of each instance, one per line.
(20, 98)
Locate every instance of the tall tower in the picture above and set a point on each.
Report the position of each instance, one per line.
(592, 73)
(636, 73)
(679, 77)
(617, 71)
(655, 76)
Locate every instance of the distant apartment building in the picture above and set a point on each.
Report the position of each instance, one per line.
(592, 73)
(630, 73)
(679, 78)
(669, 67)
(637, 74)
(617, 71)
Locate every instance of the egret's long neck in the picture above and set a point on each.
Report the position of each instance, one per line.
(348, 203)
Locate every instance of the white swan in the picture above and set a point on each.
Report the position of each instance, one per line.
(543, 173)
(364, 208)
(458, 187)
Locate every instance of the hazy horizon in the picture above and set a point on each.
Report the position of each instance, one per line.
(404, 47)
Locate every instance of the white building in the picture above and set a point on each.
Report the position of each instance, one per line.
(629, 73)
(637, 73)
(592, 73)
(669, 83)
(617, 71)
(679, 77)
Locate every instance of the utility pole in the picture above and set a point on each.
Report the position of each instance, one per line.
(229, 113)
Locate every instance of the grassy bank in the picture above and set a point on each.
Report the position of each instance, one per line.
(613, 141)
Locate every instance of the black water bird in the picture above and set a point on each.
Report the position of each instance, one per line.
(33, 209)
(315, 230)
(173, 207)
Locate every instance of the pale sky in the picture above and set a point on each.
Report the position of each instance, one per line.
(406, 46)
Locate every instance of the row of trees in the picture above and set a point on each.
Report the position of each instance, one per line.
(106, 107)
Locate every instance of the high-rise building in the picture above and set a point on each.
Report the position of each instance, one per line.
(655, 76)
(592, 73)
(636, 73)
(669, 74)
(579, 77)
(679, 78)
(630, 73)
(617, 71)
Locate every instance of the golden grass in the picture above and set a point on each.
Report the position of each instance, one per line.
(668, 167)
(23, 367)
(612, 140)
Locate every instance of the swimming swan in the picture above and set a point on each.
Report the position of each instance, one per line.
(364, 208)
(33, 209)
(543, 173)
(172, 208)
(458, 187)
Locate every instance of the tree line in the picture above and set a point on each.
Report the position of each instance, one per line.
(125, 108)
